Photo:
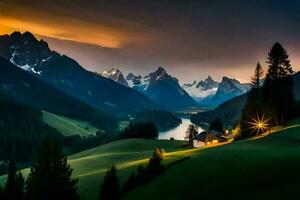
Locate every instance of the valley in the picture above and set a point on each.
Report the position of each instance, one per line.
(149, 100)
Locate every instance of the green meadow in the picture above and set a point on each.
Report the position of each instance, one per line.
(257, 168)
(68, 126)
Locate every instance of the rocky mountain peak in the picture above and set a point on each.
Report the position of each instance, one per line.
(25, 51)
(116, 75)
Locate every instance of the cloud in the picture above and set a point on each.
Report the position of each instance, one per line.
(105, 32)
(191, 38)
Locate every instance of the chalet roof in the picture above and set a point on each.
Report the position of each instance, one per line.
(208, 136)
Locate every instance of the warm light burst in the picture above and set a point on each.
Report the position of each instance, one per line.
(259, 124)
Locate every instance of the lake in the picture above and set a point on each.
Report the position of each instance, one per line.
(178, 133)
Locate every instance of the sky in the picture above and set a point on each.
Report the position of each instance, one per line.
(191, 39)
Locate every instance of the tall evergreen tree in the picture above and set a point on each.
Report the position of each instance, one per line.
(279, 63)
(11, 180)
(254, 106)
(110, 189)
(50, 174)
(19, 185)
(256, 79)
(278, 87)
(14, 188)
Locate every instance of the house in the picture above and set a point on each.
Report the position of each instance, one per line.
(206, 138)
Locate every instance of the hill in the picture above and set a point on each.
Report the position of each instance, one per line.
(232, 108)
(90, 165)
(68, 126)
(265, 168)
(261, 168)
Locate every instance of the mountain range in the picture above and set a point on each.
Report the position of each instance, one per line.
(64, 73)
(227, 89)
(28, 89)
(109, 91)
(234, 107)
(210, 93)
(165, 90)
(158, 86)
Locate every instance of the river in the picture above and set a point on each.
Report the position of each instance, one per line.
(178, 133)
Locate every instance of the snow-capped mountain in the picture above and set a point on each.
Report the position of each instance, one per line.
(64, 73)
(227, 89)
(161, 88)
(202, 89)
(212, 93)
(24, 51)
(116, 75)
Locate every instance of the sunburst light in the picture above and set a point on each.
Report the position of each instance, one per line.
(259, 124)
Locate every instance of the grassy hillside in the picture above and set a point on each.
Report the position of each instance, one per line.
(258, 168)
(264, 168)
(68, 126)
(90, 165)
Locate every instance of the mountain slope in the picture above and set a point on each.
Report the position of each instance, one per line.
(227, 89)
(25, 51)
(21, 130)
(163, 89)
(68, 126)
(212, 172)
(234, 107)
(163, 119)
(31, 90)
(229, 112)
(202, 89)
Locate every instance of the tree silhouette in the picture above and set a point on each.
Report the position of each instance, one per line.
(279, 63)
(146, 130)
(191, 132)
(256, 79)
(50, 174)
(11, 181)
(216, 125)
(110, 189)
(278, 87)
(14, 188)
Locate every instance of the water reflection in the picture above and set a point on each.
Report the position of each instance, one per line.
(178, 133)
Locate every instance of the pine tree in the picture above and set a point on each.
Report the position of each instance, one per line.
(278, 87)
(19, 186)
(14, 188)
(50, 174)
(11, 181)
(279, 63)
(155, 167)
(110, 189)
(256, 79)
